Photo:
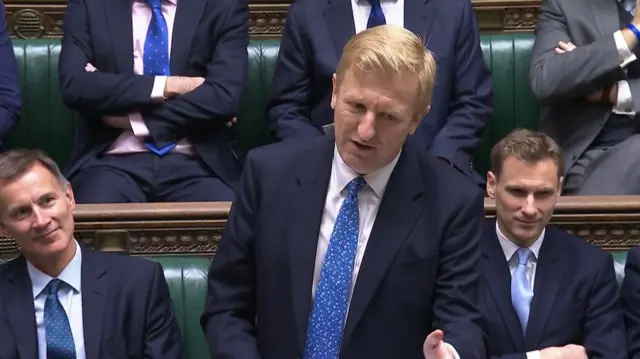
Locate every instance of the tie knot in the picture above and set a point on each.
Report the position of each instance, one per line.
(53, 286)
(375, 4)
(524, 255)
(154, 4)
(356, 185)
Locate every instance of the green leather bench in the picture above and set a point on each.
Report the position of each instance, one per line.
(46, 124)
(187, 278)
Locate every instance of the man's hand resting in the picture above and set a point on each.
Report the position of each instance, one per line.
(435, 348)
(180, 85)
(570, 351)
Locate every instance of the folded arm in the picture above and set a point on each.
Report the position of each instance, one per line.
(288, 110)
(230, 309)
(470, 105)
(9, 85)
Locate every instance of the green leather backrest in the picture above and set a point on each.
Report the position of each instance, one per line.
(46, 124)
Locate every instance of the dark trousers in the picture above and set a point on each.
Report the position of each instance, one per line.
(147, 177)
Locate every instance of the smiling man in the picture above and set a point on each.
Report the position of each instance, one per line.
(61, 300)
(546, 293)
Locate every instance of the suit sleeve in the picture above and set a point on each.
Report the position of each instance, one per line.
(456, 297)
(230, 309)
(162, 333)
(288, 111)
(630, 297)
(218, 99)
(604, 332)
(559, 77)
(9, 85)
(94, 92)
(470, 104)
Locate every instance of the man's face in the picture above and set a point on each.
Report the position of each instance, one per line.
(525, 194)
(38, 213)
(374, 114)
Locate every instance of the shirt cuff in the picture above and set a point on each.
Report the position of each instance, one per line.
(157, 92)
(624, 54)
(533, 355)
(138, 126)
(455, 352)
(624, 103)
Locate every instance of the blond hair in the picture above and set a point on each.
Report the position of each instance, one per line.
(393, 49)
(526, 146)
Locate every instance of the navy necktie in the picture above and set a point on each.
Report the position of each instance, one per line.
(376, 17)
(326, 322)
(60, 344)
(156, 56)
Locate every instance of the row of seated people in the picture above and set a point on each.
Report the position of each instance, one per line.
(334, 249)
(156, 113)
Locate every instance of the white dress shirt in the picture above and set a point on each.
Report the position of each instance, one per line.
(369, 199)
(624, 103)
(509, 248)
(70, 296)
(393, 12)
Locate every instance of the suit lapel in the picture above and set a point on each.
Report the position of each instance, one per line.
(307, 203)
(118, 13)
(545, 289)
(94, 297)
(338, 15)
(605, 13)
(416, 18)
(396, 217)
(188, 16)
(20, 309)
(498, 279)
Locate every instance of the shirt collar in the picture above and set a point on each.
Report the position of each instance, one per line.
(71, 274)
(377, 180)
(509, 248)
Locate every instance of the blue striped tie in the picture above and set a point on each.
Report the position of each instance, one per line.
(156, 56)
(60, 343)
(326, 323)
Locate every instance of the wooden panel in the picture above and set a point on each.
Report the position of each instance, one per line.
(612, 223)
(44, 18)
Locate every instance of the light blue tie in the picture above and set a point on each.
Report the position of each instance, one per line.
(521, 291)
(156, 56)
(60, 343)
(376, 17)
(326, 323)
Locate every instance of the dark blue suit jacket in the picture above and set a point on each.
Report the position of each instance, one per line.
(418, 272)
(315, 33)
(630, 295)
(9, 87)
(575, 299)
(126, 310)
(210, 39)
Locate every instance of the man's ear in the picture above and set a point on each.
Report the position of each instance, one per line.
(491, 184)
(334, 91)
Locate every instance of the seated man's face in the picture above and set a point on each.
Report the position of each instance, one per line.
(374, 114)
(38, 212)
(526, 194)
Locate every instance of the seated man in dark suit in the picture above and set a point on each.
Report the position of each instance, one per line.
(358, 247)
(546, 293)
(158, 84)
(9, 86)
(59, 299)
(630, 295)
(317, 30)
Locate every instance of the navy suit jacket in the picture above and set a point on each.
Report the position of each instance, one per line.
(418, 272)
(210, 39)
(126, 310)
(9, 86)
(575, 299)
(314, 35)
(630, 295)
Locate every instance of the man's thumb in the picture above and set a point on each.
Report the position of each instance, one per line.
(433, 341)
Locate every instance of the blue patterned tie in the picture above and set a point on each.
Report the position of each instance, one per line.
(521, 291)
(376, 17)
(60, 343)
(326, 322)
(156, 55)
